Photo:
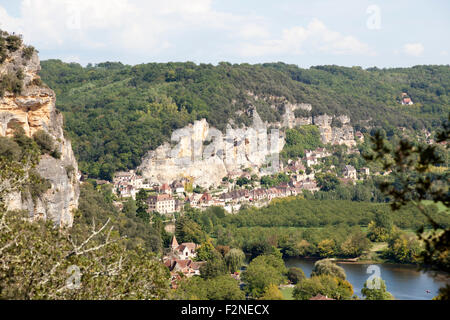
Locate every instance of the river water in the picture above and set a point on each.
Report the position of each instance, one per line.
(405, 282)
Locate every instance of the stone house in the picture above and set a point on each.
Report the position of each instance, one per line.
(162, 203)
(349, 172)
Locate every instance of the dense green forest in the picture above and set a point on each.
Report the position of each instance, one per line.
(114, 113)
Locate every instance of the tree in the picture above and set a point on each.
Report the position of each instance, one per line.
(411, 165)
(214, 267)
(327, 181)
(375, 289)
(206, 251)
(219, 288)
(262, 272)
(234, 259)
(327, 267)
(272, 293)
(381, 228)
(187, 230)
(355, 244)
(326, 285)
(326, 248)
(73, 264)
(295, 275)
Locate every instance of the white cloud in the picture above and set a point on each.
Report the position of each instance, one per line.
(316, 37)
(113, 24)
(413, 49)
(150, 28)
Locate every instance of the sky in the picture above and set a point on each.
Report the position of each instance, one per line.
(382, 33)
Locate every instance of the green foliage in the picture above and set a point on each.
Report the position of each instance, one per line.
(50, 259)
(219, 288)
(326, 285)
(18, 158)
(187, 230)
(295, 275)
(262, 272)
(96, 206)
(13, 42)
(114, 113)
(272, 293)
(10, 82)
(234, 259)
(44, 141)
(381, 228)
(300, 139)
(414, 180)
(327, 181)
(28, 52)
(328, 267)
(376, 290)
(214, 267)
(206, 251)
(403, 248)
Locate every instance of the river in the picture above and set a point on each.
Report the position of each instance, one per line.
(405, 282)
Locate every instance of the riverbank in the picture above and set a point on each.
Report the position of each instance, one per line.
(405, 282)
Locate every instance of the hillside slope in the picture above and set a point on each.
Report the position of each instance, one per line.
(115, 113)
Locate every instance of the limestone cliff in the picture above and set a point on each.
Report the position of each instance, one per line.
(207, 155)
(33, 108)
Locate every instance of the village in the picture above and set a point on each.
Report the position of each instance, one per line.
(237, 189)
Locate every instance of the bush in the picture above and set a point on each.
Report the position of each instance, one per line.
(28, 52)
(295, 275)
(13, 43)
(327, 267)
(44, 141)
(10, 82)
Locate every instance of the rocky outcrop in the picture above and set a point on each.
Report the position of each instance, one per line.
(335, 135)
(34, 109)
(206, 155)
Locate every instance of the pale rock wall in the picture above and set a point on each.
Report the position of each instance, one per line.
(34, 109)
(208, 163)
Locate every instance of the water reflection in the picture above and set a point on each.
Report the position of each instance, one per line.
(403, 281)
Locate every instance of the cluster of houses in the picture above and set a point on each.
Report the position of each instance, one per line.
(312, 157)
(167, 199)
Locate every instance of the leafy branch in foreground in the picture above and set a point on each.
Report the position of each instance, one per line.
(38, 260)
(419, 173)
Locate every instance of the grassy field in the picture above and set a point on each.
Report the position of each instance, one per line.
(287, 293)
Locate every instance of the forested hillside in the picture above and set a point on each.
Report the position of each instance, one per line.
(115, 113)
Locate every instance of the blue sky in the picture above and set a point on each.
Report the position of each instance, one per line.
(384, 33)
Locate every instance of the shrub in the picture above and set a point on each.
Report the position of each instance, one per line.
(44, 141)
(327, 267)
(10, 82)
(295, 275)
(13, 43)
(28, 52)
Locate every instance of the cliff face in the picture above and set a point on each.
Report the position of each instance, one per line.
(207, 155)
(34, 109)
